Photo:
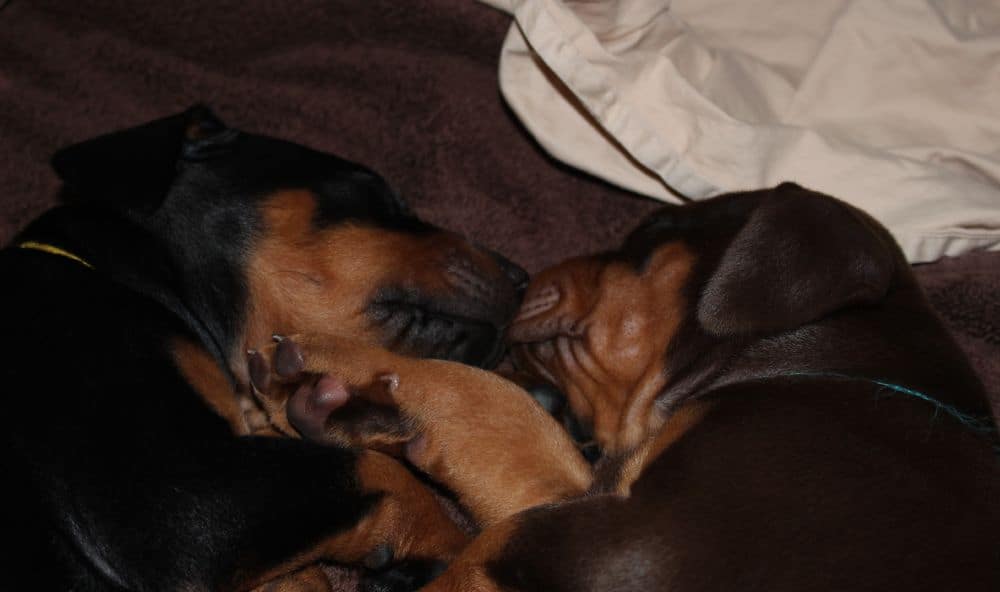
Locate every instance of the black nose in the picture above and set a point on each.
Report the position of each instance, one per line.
(512, 270)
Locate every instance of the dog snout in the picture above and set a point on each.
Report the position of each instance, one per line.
(517, 275)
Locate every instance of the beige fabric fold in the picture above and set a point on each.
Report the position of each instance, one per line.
(891, 105)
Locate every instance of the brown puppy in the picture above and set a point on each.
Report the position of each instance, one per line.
(777, 405)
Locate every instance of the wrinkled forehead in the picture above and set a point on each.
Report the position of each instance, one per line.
(704, 226)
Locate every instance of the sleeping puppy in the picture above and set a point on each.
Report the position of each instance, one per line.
(127, 314)
(776, 406)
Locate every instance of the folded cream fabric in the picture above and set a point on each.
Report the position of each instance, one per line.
(892, 105)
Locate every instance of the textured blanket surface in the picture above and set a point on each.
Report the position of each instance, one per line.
(410, 91)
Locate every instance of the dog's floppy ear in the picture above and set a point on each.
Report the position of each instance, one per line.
(134, 168)
(799, 256)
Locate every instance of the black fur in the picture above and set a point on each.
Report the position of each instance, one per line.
(117, 475)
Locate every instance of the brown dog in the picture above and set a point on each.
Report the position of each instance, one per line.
(777, 406)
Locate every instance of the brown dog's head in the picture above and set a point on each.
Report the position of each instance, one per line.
(247, 235)
(622, 332)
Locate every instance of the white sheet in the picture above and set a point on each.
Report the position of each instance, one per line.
(892, 105)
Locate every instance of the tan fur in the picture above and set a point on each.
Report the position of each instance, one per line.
(483, 437)
(680, 421)
(477, 433)
(468, 572)
(304, 280)
(600, 331)
(203, 373)
(408, 518)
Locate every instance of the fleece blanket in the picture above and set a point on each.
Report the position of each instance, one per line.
(412, 93)
(888, 104)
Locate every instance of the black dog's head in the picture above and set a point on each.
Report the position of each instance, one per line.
(691, 288)
(264, 236)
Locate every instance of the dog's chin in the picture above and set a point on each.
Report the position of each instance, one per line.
(529, 359)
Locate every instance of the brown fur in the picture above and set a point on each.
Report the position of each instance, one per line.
(469, 573)
(203, 373)
(711, 368)
(601, 331)
(782, 463)
(618, 475)
(408, 518)
(303, 279)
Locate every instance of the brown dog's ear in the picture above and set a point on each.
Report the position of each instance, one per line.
(134, 168)
(800, 256)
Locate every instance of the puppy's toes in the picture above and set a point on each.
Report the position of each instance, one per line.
(310, 407)
(298, 380)
(289, 361)
(259, 371)
(282, 387)
(274, 367)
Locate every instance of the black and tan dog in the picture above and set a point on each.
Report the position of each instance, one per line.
(776, 405)
(126, 318)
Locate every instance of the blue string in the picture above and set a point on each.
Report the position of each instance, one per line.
(977, 423)
(980, 424)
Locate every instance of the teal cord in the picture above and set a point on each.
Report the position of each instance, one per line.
(980, 424)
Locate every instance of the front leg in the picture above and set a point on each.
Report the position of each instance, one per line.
(405, 529)
(474, 432)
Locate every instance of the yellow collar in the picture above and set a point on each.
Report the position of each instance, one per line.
(53, 250)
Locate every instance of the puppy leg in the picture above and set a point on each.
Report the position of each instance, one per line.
(470, 572)
(407, 531)
(476, 433)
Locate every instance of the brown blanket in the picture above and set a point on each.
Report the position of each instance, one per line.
(407, 88)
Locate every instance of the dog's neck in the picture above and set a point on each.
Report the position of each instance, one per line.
(207, 244)
(893, 332)
(121, 250)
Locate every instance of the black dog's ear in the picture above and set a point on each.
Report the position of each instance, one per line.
(135, 167)
(800, 256)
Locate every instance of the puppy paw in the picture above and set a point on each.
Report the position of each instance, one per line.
(306, 388)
